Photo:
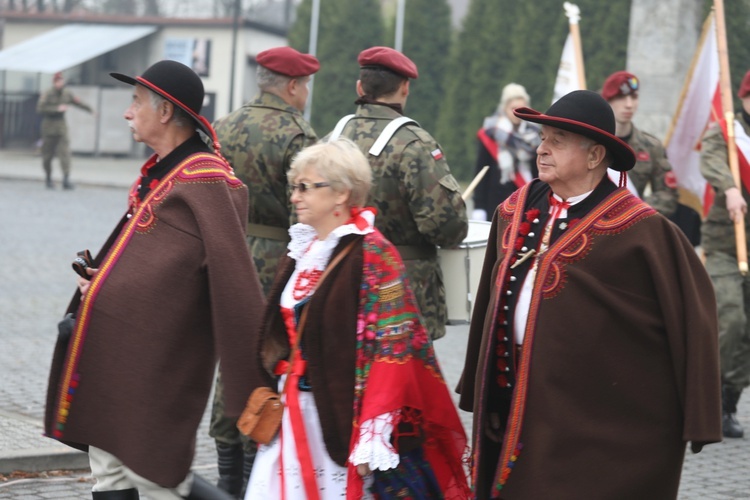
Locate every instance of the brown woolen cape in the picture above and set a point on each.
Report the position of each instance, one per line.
(622, 359)
(176, 289)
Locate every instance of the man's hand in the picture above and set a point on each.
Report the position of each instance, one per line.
(736, 204)
(83, 284)
(493, 431)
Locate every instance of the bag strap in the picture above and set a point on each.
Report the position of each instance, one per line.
(303, 316)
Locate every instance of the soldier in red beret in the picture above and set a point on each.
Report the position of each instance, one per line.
(652, 168)
(719, 246)
(419, 202)
(259, 140)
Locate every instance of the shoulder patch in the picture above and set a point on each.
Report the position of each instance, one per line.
(437, 154)
(642, 156)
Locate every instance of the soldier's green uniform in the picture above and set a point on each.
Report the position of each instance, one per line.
(54, 129)
(259, 141)
(718, 241)
(418, 201)
(652, 167)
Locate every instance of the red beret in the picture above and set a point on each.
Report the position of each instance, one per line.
(57, 76)
(289, 62)
(744, 86)
(388, 58)
(620, 83)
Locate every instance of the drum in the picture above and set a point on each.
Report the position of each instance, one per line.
(462, 268)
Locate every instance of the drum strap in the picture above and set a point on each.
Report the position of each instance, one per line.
(382, 141)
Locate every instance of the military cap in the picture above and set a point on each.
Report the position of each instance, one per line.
(178, 84)
(585, 113)
(388, 58)
(289, 62)
(57, 76)
(744, 86)
(620, 83)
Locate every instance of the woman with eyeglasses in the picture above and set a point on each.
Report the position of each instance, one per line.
(367, 413)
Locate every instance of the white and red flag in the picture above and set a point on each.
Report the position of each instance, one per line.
(700, 104)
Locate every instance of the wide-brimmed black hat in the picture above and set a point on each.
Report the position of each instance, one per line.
(178, 84)
(586, 113)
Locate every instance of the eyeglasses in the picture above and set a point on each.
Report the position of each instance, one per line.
(303, 187)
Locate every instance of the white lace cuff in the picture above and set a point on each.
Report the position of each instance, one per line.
(374, 447)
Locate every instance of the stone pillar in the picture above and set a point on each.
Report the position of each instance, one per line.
(662, 40)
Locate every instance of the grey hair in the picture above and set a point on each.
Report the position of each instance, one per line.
(268, 79)
(339, 162)
(587, 143)
(179, 115)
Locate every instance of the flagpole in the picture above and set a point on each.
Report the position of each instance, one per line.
(728, 107)
(573, 13)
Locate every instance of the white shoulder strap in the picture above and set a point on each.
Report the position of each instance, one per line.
(340, 127)
(382, 141)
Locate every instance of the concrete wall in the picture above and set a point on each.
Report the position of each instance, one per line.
(663, 37)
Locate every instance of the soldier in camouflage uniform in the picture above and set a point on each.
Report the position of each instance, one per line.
(732, 289)
(52, 106)
(652, 168)
(259, 140)
(419, 202)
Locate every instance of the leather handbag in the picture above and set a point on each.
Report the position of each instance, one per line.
(261, 418)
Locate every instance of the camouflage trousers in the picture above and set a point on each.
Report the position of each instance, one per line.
(222, 428)
(56, 145)
(426, 281)
(733, 301)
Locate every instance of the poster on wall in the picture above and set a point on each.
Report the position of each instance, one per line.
(193, 52)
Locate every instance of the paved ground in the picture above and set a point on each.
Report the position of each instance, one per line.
(40, 231)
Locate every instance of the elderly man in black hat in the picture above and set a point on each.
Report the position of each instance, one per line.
(172, 289)
(592, 352)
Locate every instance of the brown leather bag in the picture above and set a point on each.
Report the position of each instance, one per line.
(261, 418)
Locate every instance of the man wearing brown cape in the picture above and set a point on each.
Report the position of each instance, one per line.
(592, 357)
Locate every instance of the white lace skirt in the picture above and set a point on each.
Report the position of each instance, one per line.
(265, 478)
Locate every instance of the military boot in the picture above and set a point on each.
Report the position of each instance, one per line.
(730, 426)
(229, 461)
(129, 494)
(247, 464)
(66, 182)
(203, 490)
(48, 181)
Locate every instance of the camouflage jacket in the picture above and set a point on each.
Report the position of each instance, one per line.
(418, 201)
(652, 167)
(259, 140)
(53, 120)
(718, 228)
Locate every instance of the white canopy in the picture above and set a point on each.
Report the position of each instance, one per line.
(68, 46)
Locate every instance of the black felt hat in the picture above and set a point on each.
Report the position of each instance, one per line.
(586, 113)
(178, 84)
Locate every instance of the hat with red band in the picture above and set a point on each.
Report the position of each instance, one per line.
(586, 113)
(178, 84)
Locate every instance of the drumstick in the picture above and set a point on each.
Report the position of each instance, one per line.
(473, 184)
